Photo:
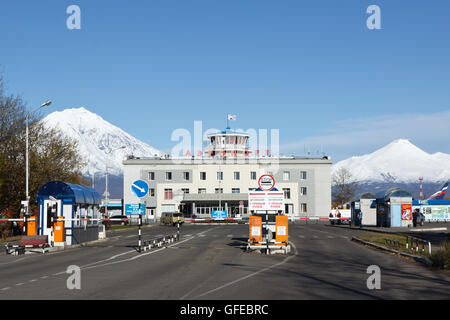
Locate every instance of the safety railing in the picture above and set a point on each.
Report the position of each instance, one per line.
(416, 244)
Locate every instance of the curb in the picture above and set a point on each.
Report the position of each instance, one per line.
(416, 258)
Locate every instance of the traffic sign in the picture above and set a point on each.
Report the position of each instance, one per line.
(219, 214)
(139, 188)
(266, 182)
(134, 209)
(266, 201)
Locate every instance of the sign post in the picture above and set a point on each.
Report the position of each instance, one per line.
(140, 190)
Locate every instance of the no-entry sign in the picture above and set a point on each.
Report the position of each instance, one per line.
(266, 182)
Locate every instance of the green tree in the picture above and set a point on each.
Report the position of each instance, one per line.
(52, 155)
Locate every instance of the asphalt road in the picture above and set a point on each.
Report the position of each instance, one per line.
(209, 263)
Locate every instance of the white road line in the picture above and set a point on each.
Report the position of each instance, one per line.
(33, 280)
(44, 277)
(230, 236)
(20, 284)
(315, 237)
(330, 237)
(4, 289)
(4, 263)
(303, 237)
(250, 275)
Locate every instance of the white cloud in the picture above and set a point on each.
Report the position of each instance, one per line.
(352, 137)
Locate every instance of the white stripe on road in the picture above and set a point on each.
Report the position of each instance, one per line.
(250, 275)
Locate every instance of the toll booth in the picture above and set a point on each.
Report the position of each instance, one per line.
(366, 206)
(394, 208)
(70, 202)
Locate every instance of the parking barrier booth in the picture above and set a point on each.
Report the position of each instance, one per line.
(73, 203)
(394, 208)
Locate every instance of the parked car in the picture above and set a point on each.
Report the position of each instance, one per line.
(418, 218)
(172, 218)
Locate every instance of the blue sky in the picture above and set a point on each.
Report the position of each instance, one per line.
(311, 69)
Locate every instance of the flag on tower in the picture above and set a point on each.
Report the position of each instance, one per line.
(231, 117)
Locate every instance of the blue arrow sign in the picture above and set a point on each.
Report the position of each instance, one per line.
(139, 188)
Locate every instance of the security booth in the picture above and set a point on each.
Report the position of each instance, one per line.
(394, 208)
(71, 203)
(365, 207)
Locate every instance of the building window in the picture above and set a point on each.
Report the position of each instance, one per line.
(303, 175)
(185, 191)
(220, 175)
(286, 176)
(219, 190)
(201, 191)
(186, 176)
(253, 175)
(287, 193)
(237, 175)
(152, 192)
(151, 176)
(235, 190)
(168, 176)
(303, 191)
(168, 195)
(303, 208)
(202, 175)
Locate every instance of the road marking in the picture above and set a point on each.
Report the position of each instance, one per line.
(20, 284)
(33, 280)
(4, 289)
(131, 236)
(44, 277)
(229, 236)
(303, 237)
(250, 275)
(330, 237)
(4, 263)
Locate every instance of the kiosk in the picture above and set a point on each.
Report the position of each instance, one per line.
(394, 208)
(59, 200)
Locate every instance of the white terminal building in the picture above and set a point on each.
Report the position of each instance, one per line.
(222, 178)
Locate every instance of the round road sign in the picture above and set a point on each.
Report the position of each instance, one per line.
(139, 188)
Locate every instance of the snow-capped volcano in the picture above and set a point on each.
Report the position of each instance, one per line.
(399, 161)
(99, 142)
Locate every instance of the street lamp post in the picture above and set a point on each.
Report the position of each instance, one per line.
(27, 118)
(106, 181)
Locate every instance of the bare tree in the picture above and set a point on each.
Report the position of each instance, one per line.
(344, 186)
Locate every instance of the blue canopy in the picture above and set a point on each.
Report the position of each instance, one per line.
(69, 192)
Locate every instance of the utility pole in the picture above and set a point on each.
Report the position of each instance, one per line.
(27, 156)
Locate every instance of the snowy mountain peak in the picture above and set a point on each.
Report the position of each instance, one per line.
(399, 161)
(99, 142)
